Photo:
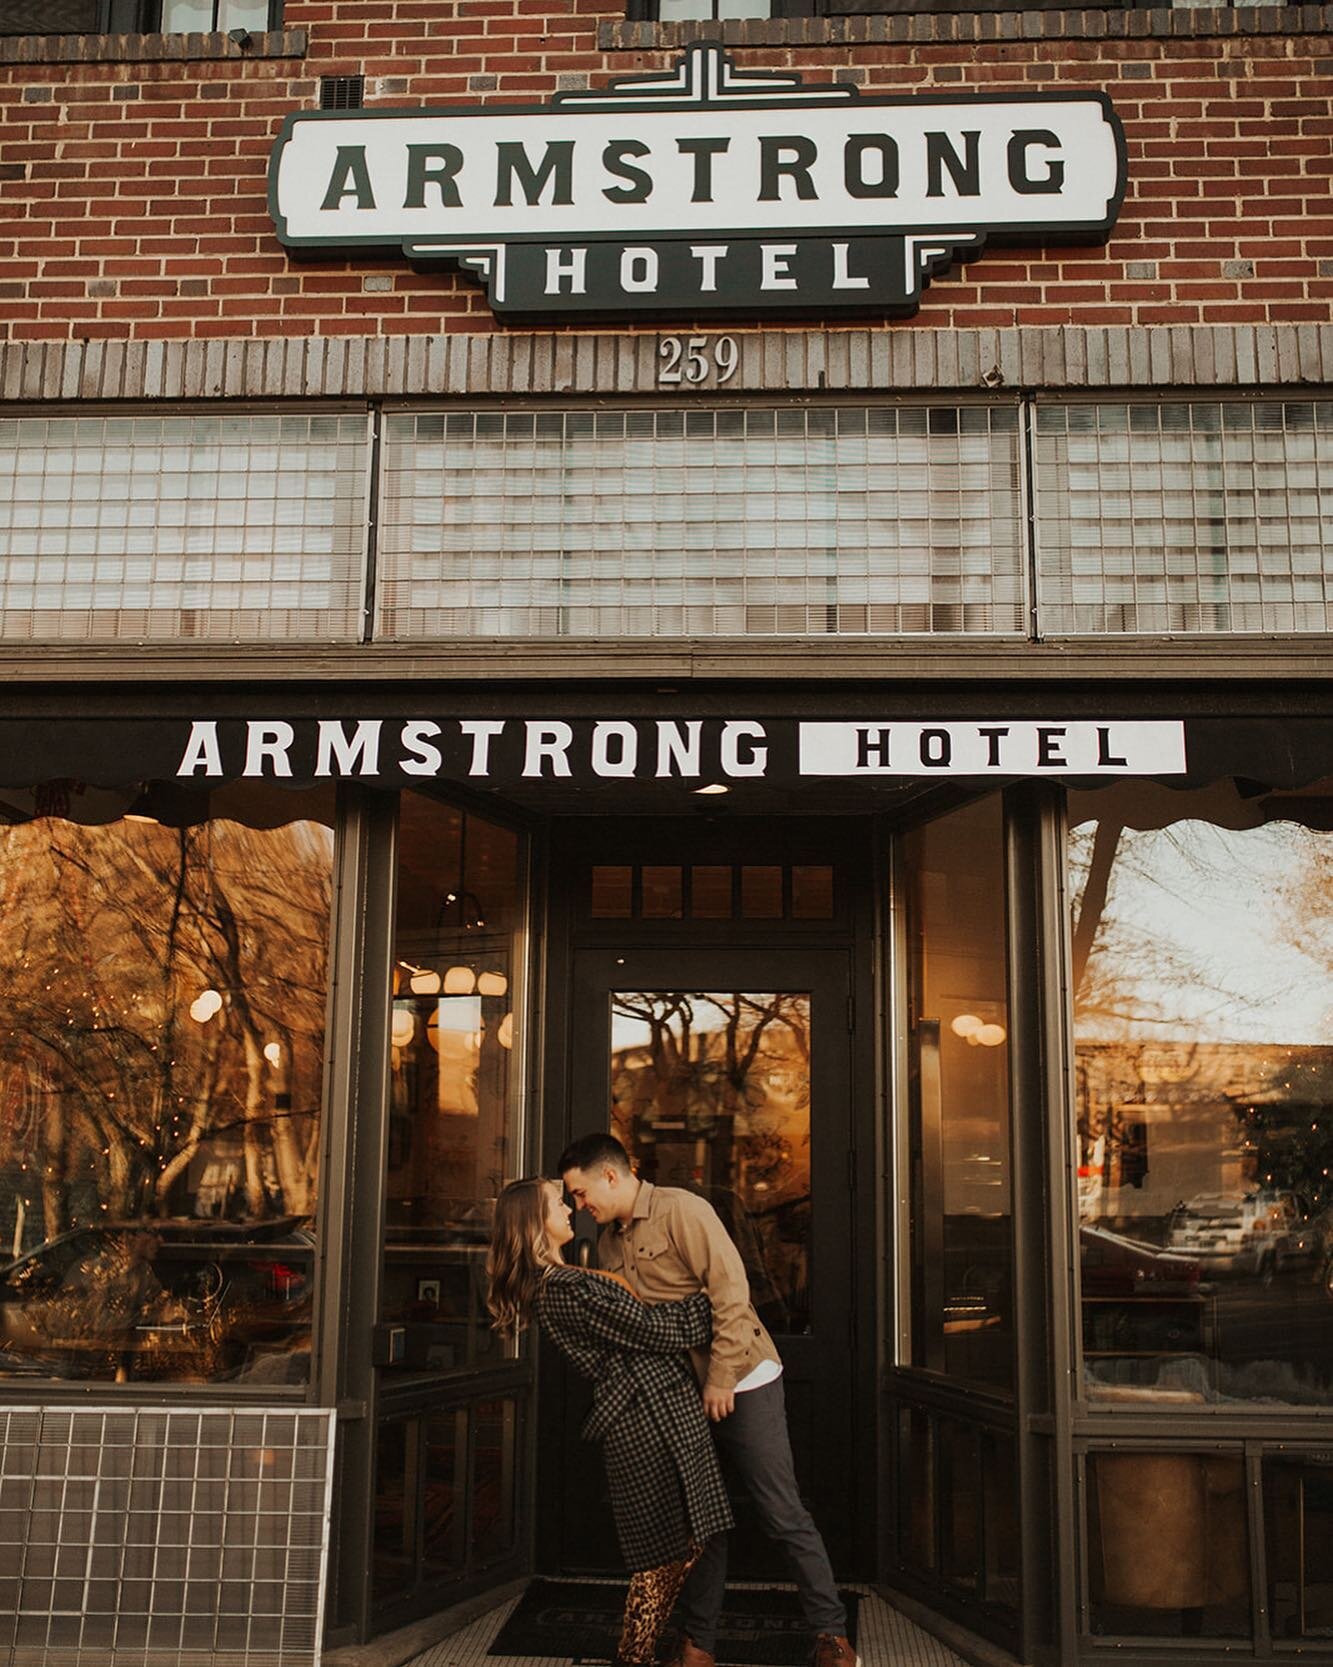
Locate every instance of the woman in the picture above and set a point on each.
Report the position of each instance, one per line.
(667, 1496)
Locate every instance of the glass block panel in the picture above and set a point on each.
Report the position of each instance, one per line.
(175, 528)
(1192, 517)
(848, 520)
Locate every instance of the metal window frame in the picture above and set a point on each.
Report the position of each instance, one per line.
(148, 14)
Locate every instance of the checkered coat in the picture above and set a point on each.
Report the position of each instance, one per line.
(666, 1488)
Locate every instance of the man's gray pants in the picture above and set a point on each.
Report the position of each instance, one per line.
(754, 1445)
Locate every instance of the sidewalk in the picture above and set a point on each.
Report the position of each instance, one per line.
(885, 1639)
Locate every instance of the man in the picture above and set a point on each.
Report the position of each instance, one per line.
(669, 1243)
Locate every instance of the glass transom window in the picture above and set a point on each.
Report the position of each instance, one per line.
(240, 527)
(715, 522)
(1196, 516)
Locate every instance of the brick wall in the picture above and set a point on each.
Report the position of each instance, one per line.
(132, 172)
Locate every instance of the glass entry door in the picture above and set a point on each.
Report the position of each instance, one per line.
(727, 1073)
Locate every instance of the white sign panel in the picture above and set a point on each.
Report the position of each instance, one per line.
(993, 746)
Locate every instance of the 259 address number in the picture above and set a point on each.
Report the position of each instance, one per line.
(697, 359)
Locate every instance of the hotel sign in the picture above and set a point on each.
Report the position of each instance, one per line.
(494, 752)
(707, 190)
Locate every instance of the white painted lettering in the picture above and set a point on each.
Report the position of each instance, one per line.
(775, 274)
(334, 747)
(422, 759)
(708, 255)
(615, 749)
(841, 278)
(547, 743)
(677, 753)
(571, 264)
(201, 750)
(741, 753)
(268, 742)
(482, 731)
(638, 270)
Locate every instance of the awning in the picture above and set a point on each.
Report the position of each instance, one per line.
(533, 755)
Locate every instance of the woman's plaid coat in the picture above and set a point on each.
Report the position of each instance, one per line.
(666, 1488)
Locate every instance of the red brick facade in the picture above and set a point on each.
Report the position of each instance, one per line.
(132, 173)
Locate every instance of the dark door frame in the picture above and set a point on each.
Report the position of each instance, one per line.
(847, 844)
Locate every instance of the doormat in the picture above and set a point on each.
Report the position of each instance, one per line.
(575, 1620)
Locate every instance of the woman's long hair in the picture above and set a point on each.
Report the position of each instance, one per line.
(519, 1253)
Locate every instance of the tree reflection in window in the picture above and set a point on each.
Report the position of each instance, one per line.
(712, 1092)
(1202, 933)
(161, 1040)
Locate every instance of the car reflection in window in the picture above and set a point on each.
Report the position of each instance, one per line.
(193, 1301)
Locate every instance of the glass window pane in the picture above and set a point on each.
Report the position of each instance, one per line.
(243, 528)
(494, 1438)
(961, 1503)
(661, 889)
(161, 1062)
(812, 892)
(393, 1569)
(960, 1250)
(186, 16)
(1203, 979)
(612, 893)
(710, 892)
(242, 14)
(761, 893)
(916, 1488)
(849, 521)
(1189, 1508)
(1298, 1521)
(712, 1092)
(452, 1087)
(442, 1522)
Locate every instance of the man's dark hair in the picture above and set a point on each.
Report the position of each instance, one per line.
(592, 1151)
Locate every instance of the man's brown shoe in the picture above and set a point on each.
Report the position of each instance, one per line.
(833, 1650)
(686, 1653)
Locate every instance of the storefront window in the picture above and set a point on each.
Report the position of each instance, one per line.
(1203, 982)
(451, 1106)
(960, 1254)
(162, 1000)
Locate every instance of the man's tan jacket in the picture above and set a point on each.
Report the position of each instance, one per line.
(673, 1245)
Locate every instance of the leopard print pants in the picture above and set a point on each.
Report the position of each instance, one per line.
(652, 1592)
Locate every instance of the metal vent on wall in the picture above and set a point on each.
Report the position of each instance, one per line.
(163, 1537)
(342, 92)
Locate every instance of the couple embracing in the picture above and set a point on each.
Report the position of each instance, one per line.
(667, 1334)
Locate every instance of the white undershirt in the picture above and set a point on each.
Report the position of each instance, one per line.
(763, 1373)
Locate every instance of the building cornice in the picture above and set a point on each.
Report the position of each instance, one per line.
(883, 359)
(1277, 662)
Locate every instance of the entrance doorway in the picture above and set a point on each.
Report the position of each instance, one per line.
(726, 1061)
